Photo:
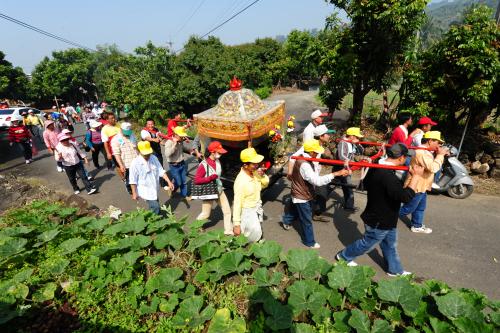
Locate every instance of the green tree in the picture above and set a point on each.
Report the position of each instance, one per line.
(13, 81)
(252, 62)
(301, 51)
(146, 80)
(63, 76)
(459, 75)
(205, 68)
(370, 49)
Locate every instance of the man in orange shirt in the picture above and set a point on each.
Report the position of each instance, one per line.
(423, 157)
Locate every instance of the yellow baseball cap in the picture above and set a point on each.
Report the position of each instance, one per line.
(354, 131)
(313, 146)
(433, 135)
(144, 147)
(249, 155)
(180, 131)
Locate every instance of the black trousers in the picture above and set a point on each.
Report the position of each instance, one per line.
(72, 171)
(28, 154)
(348, 191)
(99, 148)
(127, 184)
(321, 198)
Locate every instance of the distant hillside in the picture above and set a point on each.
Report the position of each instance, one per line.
(445, 13)
(440, 15)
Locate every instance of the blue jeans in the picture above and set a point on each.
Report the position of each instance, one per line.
(178, 172)
(416, 207)
(304, 213)
(154, 205)
(437, 175)
(388, 240)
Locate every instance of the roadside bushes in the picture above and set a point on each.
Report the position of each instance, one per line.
(146, 273)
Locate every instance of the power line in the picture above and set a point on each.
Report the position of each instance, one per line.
(43, 32)
(227, 12)
(226, 21)
(229, 19)
(190, 17)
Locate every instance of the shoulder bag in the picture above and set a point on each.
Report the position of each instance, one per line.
(208, 191)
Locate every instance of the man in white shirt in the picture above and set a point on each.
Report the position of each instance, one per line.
(321, 133)
(145, 172)
(304, 179)
(316, 120)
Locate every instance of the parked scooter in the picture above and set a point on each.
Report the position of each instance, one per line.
(454, 179)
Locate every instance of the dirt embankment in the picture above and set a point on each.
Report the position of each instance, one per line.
(19, 191)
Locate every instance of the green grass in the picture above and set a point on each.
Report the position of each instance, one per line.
(373, 101)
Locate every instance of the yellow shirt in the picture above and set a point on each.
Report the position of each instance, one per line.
(247, 193)
(431, 166)
(109, 131)
(32, 120)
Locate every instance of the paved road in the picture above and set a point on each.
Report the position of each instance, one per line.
(461, 250)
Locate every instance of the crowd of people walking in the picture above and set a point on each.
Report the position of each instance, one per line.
(140, 164)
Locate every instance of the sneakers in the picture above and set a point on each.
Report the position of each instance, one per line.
(351, 210)
(435, 186)
(92, 191)
(59, 169)
(321, 218)
(404, 273)
(90, 178)
(286, 226)
(421, 230)
(349, 263)
(28, 161)
(77, 192)
(315, 246)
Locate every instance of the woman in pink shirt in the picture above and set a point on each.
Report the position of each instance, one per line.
(70, 156)
(51, 141)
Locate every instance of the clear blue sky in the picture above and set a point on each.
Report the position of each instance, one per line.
(129, 24)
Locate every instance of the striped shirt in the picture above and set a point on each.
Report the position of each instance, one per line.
(18, 134)
(125, 148)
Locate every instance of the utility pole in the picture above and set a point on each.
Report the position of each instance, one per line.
(170, 43)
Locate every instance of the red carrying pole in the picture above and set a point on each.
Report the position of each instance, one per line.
(359, 164)
(369, 143)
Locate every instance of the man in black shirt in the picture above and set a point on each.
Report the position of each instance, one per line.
(385, 195)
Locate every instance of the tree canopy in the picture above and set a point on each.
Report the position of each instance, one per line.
(459, 75)
(370, 49)
(65, 76)
(13, 81)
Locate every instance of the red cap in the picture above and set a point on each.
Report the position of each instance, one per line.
(216, 147)
(426, 121)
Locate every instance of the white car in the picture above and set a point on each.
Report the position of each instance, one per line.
(6, 114)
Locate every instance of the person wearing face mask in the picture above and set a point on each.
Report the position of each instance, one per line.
(208, 171)
(247, 188)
